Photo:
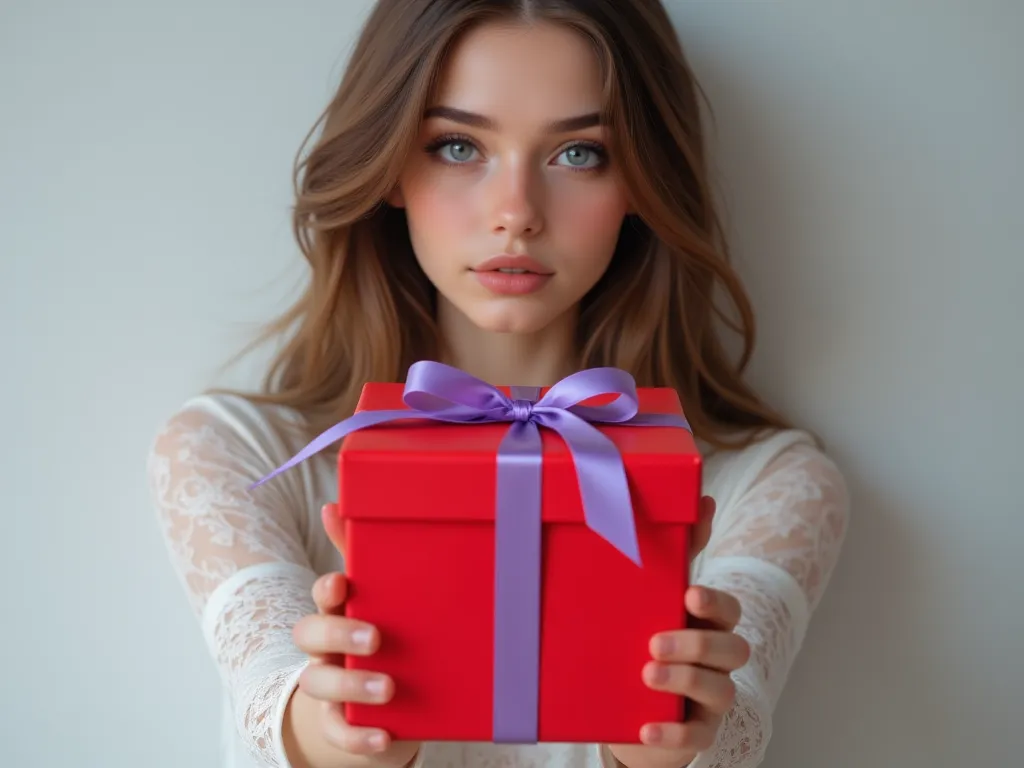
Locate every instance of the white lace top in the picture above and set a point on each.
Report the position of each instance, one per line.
(248, 561)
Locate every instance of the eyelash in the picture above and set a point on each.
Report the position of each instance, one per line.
(455, 138)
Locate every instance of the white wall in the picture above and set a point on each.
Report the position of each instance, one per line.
(872, 164)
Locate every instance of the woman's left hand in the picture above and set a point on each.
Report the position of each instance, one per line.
(695, 662)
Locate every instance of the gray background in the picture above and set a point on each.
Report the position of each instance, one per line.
(869, 157)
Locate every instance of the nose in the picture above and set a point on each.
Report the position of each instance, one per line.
(516, 202)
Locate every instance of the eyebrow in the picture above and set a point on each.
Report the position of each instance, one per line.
(565, 125)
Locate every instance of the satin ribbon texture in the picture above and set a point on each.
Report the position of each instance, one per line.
(442, 393)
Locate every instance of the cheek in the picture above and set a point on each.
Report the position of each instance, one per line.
(436, 211)
(587, 220)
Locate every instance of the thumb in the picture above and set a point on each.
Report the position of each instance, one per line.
(333, 525)
(701, 532)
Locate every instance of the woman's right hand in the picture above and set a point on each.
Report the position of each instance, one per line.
(327, 636)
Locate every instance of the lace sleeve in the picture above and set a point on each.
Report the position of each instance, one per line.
(774, 551)
(241, 560)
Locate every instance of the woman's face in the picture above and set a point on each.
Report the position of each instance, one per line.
(514, 206)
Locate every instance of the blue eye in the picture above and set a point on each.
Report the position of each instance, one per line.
(454, 151)
(582, 157)
(458, 150)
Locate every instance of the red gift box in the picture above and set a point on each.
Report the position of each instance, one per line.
(418, 502)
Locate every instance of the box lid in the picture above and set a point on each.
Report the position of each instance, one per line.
(422, 470)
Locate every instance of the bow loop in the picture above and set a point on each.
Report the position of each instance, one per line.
(453, 395)
(595, 382)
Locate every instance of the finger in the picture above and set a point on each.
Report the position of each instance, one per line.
(355, 741)
(715, 690)
(697, 734)
(723, 651)
(319, 635)
(334, 526)
(330, 591)
(689, 736)
(701, 531)
(331, 683)
(713, 607)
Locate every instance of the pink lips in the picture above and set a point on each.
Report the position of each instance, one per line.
(512, 275)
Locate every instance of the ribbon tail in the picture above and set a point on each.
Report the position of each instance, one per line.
(604, 489)
(337, 432)
(517, 577)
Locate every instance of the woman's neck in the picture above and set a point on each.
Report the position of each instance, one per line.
(509, 359)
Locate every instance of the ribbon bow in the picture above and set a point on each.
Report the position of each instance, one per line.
(442, 393)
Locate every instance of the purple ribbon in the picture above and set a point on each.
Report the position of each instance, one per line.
(442, 393)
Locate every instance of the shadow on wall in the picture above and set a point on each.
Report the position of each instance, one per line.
(774, 199)
(850, 691)
(859, 683)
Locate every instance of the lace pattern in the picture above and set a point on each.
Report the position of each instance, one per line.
(775, 552)
(793, 516)
(242, 564)
(743, 736)
(213, 526)
(249, 632)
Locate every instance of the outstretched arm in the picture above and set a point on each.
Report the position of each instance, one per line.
(774, 552)
(240, 557)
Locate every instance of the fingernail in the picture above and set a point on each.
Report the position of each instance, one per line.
(664, 645)
(376, 741)
(657, 673)
(650, 734)
(362, 637)
(703, 598)
(376, 686)
(326, 588)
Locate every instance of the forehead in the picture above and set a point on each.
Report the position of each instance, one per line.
(522, 73)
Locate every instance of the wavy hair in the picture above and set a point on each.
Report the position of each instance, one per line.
(368, 311)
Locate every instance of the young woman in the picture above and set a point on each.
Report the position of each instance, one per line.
(517, 188)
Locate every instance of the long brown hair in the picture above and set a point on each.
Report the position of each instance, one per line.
(368, 311)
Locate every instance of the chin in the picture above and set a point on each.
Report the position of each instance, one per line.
(510, 321)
